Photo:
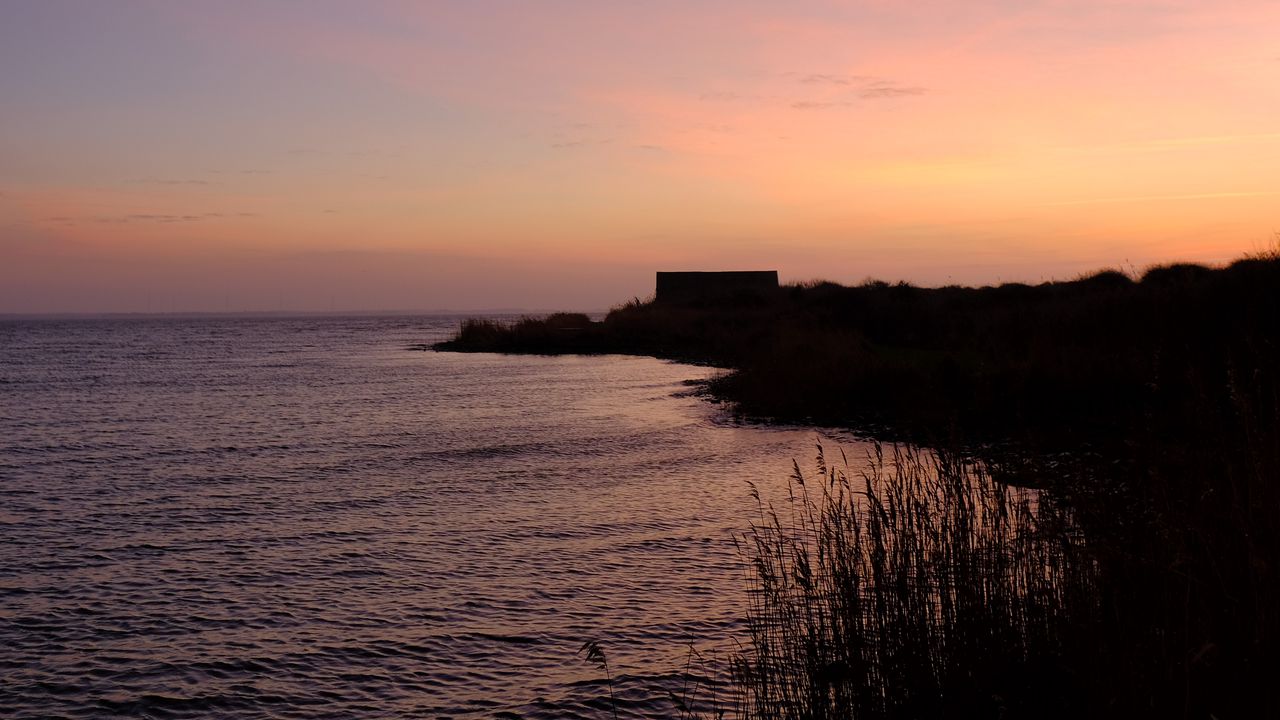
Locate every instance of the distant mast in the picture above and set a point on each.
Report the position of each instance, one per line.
(741, 285)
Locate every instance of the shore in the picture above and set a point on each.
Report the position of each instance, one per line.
(1056, 363)
(1150, 405)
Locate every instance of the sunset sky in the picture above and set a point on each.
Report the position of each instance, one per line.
(542, 154)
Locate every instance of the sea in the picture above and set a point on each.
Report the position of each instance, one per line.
(314, 517)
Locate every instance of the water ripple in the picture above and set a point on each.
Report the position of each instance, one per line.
(302, 518)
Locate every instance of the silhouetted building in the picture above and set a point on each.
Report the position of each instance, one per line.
(693, 286)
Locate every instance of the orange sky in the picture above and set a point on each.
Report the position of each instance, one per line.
(338, 155)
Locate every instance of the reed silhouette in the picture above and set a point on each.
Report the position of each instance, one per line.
(1144, 581)
(922, 586)
(919, 588)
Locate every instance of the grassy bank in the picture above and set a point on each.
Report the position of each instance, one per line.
(1061, 360)
(921, 587)
(1145, 582)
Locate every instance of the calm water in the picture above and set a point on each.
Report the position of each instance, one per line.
(306, 518)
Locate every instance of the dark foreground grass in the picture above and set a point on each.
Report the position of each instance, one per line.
(922, 587)
(919, 588)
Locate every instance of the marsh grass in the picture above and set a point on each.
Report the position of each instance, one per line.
(595, 654)
(1142, 581)
(1054, 364)
(922, 587)
(921, 584)
(555, 333)
(918, 587)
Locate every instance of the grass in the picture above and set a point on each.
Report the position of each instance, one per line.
(925, 587)
(555, 333)
(596, 655)
(919, 588)
(922, 585)
(1056, 363)
(1141, 580)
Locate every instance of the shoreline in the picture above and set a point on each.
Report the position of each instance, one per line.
(1167, 535)
(1053, 365)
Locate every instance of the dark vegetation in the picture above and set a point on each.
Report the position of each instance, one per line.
(922, 587)
(919, 588)
(1060, 359)
(1144, 579)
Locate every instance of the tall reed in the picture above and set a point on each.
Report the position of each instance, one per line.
(919, 587)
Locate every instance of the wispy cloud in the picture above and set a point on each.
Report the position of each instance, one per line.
(149, 217)
(166, 181)
(579, 143)
(843, 90)
(238, 172)
(889, 90)
(820, 105)
(834, 79)
(159, 218)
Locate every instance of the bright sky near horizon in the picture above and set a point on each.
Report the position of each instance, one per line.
(316, 154)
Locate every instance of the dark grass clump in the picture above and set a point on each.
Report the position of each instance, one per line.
(921, 588)
(925, 587)
(554, 334)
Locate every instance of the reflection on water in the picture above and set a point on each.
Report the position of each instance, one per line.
(303, 518)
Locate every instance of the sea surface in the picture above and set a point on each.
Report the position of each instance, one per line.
(305, 517)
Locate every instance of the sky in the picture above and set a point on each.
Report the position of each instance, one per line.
(304, 155)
